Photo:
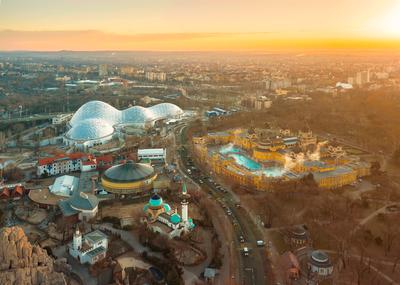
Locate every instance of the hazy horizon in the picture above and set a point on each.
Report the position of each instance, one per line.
(206, 25)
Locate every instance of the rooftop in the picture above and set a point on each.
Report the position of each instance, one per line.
(64, 185)
(83, 201)
(95, 236)
(96, 251)
(129, 172)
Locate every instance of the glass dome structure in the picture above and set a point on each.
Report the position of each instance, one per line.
(137, 115)
(95, 110)
(90, 129)
(97, 119)
(165, 110)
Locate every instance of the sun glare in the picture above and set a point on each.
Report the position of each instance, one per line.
(390, 22)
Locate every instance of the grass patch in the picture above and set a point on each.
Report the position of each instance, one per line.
(278, 241)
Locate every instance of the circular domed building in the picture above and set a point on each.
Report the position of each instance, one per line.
(298, 236)
(319, 263)
(128, 178)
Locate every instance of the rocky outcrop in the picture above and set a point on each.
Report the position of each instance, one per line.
(24, 264)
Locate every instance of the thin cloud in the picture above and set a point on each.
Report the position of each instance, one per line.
(98, 40)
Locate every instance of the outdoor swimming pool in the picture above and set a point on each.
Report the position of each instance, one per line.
(245, 161)
(230, 148)
(250, 164)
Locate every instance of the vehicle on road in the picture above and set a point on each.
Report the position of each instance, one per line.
(241, 239)
(246, 251)
(260, 243)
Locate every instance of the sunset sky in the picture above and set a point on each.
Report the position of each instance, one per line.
(198, 24)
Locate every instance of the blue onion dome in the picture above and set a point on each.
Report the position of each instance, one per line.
(191, 224)
(155, 201)
(167, 207)
(175, 218)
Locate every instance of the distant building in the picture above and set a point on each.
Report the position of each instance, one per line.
(12, 191)
(158, 154)
(89, 248)
(97, 123)
(80, 206)
(67, 163)
(360, 78)
(127, 70)
(64, 185)
(345, 86)
(307, 139)
(156, 76)
(277, 83)
(298, 236)
(211, 114)
(215, 112)
(319, 263)
(262, 103)
(129, 178)
(103, 70)
(210, 273)
(59, 119)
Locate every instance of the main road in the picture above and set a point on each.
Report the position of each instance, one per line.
(252, 267)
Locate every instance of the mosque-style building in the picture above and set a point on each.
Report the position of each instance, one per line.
(160, 217)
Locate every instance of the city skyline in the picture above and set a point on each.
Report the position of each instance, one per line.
(198, 25)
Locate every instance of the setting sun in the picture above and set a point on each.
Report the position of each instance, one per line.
(390, 22)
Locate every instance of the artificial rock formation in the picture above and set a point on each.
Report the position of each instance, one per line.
(24, 264)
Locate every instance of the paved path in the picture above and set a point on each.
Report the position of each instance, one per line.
(366, 262)
(130, 239)
(371, 216)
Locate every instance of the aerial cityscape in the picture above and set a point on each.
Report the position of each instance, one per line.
(199, 142)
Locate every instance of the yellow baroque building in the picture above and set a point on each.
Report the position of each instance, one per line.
(336, 169)
(340, 176)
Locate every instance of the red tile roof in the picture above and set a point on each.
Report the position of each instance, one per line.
(77, 155)
(50, 160)
(18, 190)
(5, 192)
(105, 158)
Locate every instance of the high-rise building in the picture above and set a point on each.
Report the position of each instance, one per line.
(277, 83)
(103, 71)
(156, 76)
(362, 77)
(127, 70)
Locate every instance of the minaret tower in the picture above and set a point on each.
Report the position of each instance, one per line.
(77, 239)
(185, 204)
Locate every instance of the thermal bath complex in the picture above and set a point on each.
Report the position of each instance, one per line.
(258, 158)
(243, 160)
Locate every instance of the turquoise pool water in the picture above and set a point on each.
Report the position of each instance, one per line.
(229, 149)
(245, 161)
(250, 164)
